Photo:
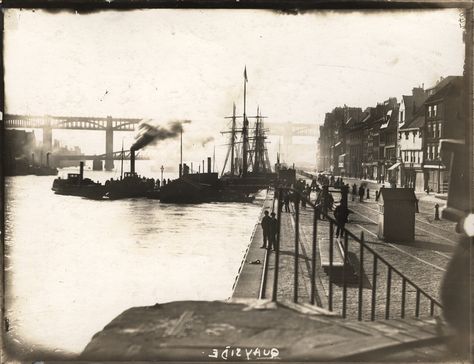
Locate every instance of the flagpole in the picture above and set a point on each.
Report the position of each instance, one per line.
(232, 142)
(244, 128)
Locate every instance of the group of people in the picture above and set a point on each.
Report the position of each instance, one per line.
(269, 226)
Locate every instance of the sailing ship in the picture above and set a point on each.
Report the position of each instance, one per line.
(250, 168)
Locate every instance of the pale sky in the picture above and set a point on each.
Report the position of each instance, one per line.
(188, 64)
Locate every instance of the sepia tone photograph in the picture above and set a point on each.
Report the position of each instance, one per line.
(227, 185)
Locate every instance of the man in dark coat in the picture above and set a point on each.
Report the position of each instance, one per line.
(266, 227)
(340, 214)
(361, 193)
(273, 231)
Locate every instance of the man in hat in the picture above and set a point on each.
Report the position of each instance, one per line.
(266, 225)
(273, 231)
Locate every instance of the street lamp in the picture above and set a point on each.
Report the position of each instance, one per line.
(162, 169)
(439, 173)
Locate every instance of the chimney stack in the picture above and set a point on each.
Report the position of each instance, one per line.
(132, 161)
(209, 165)
(81, 170)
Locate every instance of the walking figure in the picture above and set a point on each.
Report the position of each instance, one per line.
(266, 226)
(273, 231)
(354, 191)
(286, 201)
(361, 193)
(340, 214)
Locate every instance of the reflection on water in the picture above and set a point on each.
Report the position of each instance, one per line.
(74, 264)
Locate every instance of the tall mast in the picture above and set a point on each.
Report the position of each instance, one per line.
(214, 159)
(244, 128)
(121, 163)
(232, 143)
(257, 144)
(181, 153)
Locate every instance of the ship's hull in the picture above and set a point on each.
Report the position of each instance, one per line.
(92, 191)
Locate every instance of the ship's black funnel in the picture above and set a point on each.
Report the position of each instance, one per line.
(209, 165)
(132, 161)
(81, 170)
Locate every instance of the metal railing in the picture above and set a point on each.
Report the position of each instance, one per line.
(350, 289)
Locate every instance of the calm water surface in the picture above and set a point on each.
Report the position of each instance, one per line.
(73, 264)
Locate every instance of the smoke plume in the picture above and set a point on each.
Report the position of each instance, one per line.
(151, 134)
(206, 140)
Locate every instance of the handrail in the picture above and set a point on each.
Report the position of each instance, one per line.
(378, 260)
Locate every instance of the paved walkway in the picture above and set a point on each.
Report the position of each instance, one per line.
(424, 262)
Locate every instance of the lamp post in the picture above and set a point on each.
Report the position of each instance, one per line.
(439, 173)
(162, 169)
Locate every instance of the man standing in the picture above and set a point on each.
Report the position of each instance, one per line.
(273, 231)
(340, 214)
(361, 193)
(266, 226)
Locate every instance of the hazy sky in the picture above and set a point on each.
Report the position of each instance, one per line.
(188, 64)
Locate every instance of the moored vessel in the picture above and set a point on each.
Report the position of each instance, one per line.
(77, 185)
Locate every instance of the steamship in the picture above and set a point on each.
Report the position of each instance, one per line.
(130, 184)
(77, 185)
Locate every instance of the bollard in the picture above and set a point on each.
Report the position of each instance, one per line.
(368, 193)
(436, 212)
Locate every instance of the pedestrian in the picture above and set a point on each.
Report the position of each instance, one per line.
(340, 214)
(286, 201)
(380, 191)
(266, 226)
(273, 231)
(361, 193)
(354, 191)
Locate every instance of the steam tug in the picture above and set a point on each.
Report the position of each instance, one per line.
(130, 184)
(77, 185)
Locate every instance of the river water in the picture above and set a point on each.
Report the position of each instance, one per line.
(73, 264)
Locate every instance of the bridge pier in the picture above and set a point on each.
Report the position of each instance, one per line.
(47, 136)
(109, 145)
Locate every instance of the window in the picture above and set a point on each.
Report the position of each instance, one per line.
(406, 156)
(435, 127)
(418, 155)
(435, 110)
(439, 130)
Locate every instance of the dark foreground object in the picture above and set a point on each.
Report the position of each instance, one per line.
(256, 330)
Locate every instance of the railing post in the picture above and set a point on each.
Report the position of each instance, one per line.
(389, 285)
(374, 289)
(417, 305)
(297, 230)
(331, 243)
(277, 248)
(313, 256)
(344, 282)
(404, 288)
(361, 273)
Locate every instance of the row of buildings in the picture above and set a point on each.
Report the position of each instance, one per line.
(396, 141)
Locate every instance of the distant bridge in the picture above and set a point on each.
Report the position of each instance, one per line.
(48, 123)
(288, 130)
(115, 156)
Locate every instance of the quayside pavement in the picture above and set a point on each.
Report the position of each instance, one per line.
(249, 328)
(424, 262)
